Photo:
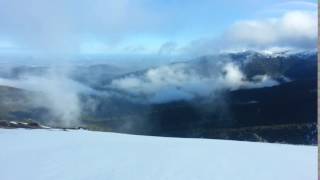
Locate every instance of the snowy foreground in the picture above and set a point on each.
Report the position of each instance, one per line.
(85, 155)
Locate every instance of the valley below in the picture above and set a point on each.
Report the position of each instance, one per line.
(250, 97)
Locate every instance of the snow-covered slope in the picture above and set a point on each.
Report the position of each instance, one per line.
(85, 155)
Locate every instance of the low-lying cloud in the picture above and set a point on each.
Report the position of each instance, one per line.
(54, 91)
(178, 82)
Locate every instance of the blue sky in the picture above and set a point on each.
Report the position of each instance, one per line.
(148, 27)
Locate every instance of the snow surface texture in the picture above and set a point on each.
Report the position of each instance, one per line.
(85, 155)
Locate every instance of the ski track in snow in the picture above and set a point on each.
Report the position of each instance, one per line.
(86, 155)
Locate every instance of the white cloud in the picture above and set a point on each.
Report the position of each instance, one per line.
(56, 92)
(160, 79)
(70, 27)
(295, 29)
(233, 77)
(60, 27)
(177, 82)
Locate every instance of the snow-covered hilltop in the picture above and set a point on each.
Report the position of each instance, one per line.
(78, 154)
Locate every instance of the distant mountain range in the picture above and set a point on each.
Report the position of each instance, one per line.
(281, 112)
